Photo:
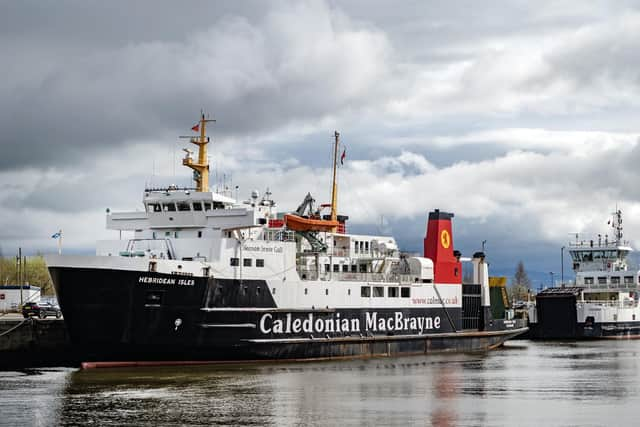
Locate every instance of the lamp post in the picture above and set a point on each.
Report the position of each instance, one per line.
(551, 274)
(562, 266)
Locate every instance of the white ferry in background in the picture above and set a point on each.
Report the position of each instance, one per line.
(205, 278)
(604, 301)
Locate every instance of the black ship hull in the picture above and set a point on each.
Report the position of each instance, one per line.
(557, 319)
(117, 315)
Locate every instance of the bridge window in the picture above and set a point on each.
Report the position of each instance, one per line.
(405, 292)
(199, 234)
(365, 291)
(197, 206)
(366, 246)
(336, 268)
(234, 262)
(207, 206)
(378, 291)
(259, 262)
(602, 280)
(393, 292)
(588, 280)
(183, 206)
(169, 207)
(615, 280)
(247, 262)
(363, 268)
(327, 268)
(354, 268)
(345, 268)
(628, 280)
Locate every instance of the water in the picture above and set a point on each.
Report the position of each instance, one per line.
(525, 383)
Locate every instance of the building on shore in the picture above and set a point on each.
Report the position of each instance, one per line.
(11, 296)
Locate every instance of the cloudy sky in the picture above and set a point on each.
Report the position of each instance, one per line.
(520, 117)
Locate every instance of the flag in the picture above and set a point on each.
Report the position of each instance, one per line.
(196, 128)
(344, 154)
(56, 235)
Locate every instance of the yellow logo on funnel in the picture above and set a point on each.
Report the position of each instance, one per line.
(445, 239)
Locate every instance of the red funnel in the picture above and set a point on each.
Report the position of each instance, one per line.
(438, 246)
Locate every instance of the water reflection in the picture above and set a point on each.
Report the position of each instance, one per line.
(523, 384)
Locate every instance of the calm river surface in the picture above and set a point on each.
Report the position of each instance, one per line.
(525, 383)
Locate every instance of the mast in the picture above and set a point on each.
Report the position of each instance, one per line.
(617, 225)
(334, 191)
(201, 168)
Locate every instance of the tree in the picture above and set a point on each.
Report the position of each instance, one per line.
(520, 285)
(35, 272)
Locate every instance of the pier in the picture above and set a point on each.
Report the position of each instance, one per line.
(34, 342)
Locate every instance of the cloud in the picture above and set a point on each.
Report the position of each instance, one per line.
(520, 119)
(298, 63)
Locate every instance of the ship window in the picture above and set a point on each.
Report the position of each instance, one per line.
(615, 280)
(207, 206)
(197, 206)
(345, 268)
(336, 268)
(247, 262)
(153, 234)
(366, 246)
(234, 262)
(365, 291)
(588, 280)
(354, 268)
(628, 280)
(155, 207)
(349, 293)
(175, 234)
(152, 266)
(273, 291)
(378, 291)
(199, 234)
(258, 290)
(259, 262)
(184, 206)
(167, 233)
(327, 268)
(393, 292)
(326, 291)
(355, 244)
(602, 280)
(169, 207)
(363, 268)
(405, 292)
(361, 246)
(306, 291)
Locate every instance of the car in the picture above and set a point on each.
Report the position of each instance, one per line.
(40, 309)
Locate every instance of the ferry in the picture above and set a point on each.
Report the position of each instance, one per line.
(603, 302)
(204, 278)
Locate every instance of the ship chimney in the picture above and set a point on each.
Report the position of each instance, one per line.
(438, 246)
(481, 277)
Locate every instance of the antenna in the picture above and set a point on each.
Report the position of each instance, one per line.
(334, 190)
